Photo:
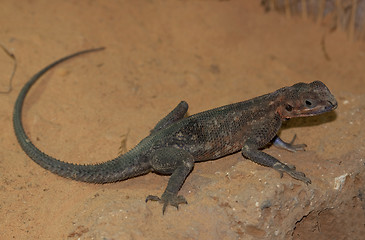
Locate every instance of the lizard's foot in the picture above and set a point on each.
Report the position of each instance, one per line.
(168, 198)
(289, 146)
(290, 169)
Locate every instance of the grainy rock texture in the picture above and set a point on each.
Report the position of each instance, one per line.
(209, 53)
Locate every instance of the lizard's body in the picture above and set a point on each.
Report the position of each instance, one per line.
(176, 143)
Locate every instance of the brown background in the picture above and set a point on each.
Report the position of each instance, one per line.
(209, 53)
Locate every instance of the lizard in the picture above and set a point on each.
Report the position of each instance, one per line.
(178, 141)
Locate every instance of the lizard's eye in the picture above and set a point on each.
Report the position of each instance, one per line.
(288, 108)
(309, 103)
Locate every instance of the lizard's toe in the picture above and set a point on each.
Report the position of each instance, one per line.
(289, 146)
(296, 147)
(292, 167)
(152, 198)
(300, 176)
(292, 172)
(168, 198)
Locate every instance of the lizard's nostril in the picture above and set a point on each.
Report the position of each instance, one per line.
(333, 103)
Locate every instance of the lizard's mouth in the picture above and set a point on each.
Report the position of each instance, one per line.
(329, 106)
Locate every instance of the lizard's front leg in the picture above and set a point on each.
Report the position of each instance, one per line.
(252, 153)
(279, 143)
(179, 164)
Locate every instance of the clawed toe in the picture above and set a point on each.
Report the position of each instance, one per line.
(292, 167)
(292, 172)
(300, 176)
(296, 147)
(168, 198)
(289, 146)
(152, 198)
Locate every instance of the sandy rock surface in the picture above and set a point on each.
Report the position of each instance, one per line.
(209, 53)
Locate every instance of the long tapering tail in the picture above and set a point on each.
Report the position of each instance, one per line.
(122, 167)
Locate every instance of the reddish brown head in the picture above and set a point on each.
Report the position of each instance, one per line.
(302, 99)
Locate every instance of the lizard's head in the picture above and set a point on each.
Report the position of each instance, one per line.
(302, 99)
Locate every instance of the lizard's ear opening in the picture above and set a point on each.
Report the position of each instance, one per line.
(286, 111)
(289, 107)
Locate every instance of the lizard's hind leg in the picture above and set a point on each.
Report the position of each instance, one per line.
(175, 115)
(178, 163)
